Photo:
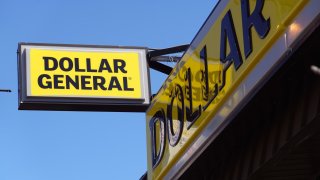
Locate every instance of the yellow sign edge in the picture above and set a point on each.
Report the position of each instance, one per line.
(285, 23)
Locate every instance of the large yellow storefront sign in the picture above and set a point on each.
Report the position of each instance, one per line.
(84, 75)
(234, 39)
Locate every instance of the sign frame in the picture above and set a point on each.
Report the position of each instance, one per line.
(81, 103)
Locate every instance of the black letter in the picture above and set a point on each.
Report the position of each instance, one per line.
(228, 33)
(159, 117)
(99, 81)
(75, 83)
(89, 66)
(205, 74)
(76, 66)
(125, 85)
(48, 83)
(84, 83)
(46, 63)
(114, 83)
(104, 65)
(192, 115)
(56, 81)
(261, 25)
(176, 95)
(122, 65)
(209, 91)
(61, 64)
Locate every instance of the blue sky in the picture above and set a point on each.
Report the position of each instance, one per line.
(55, 145)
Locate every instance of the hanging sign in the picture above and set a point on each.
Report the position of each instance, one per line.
(79, 77)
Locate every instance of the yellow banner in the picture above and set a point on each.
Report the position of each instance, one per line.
(63, 73)
(239, 36)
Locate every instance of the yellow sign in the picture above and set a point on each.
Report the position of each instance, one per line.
(110, 78)
(234, 39)
(89, 74)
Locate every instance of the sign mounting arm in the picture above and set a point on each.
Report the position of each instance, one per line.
(156, 55)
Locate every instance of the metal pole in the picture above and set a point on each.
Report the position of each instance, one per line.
(5, 90)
